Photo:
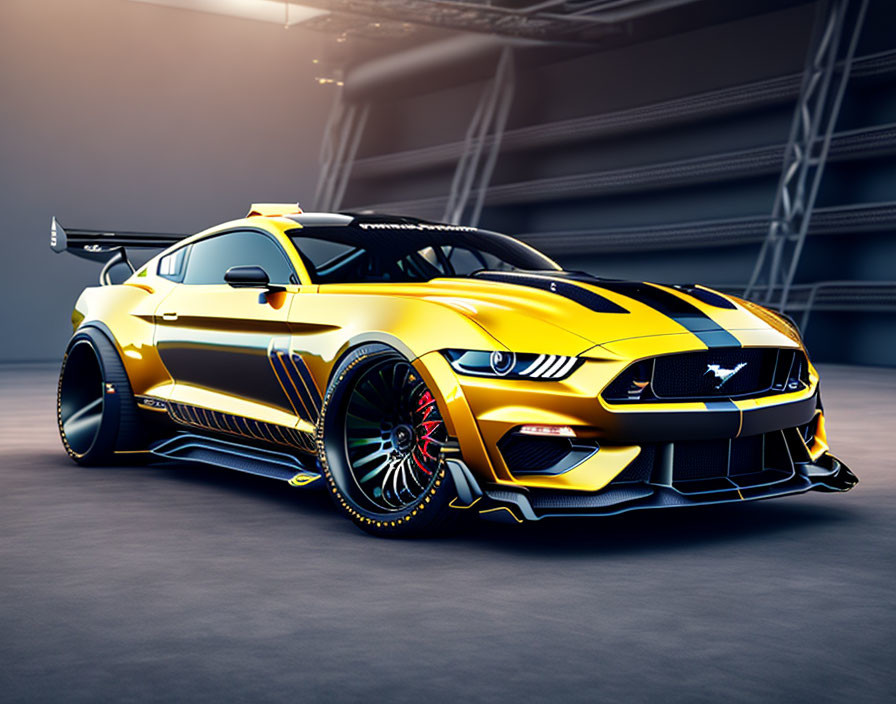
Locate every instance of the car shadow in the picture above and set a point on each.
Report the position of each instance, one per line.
(633, 532)
(644, 531)
(310, 499)
(640, 531)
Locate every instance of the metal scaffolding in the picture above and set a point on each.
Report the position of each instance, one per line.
(818, 106)
(342, 137)
(486, 129)
(544, 20)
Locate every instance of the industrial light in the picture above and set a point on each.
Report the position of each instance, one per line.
(275, 11)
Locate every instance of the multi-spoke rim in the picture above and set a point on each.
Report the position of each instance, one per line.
(81, 398)
(393, 435)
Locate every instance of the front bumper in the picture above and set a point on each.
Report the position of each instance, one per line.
(512, 505)
(484, 413)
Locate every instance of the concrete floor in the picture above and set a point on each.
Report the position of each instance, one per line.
(191, 584)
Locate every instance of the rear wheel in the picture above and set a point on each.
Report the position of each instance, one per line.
(380, 440)
(95, 406)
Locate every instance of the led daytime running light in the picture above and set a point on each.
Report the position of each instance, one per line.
(554, 431)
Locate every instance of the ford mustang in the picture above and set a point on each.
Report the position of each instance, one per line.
(421, 372)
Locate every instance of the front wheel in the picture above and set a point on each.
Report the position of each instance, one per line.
(380, 443)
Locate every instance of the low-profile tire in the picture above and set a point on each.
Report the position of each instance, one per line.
(95, 407)
(379, 441)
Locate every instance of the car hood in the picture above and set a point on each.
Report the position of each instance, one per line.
(541, 311)
(569, 313)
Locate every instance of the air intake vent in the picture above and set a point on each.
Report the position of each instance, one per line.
(527, 454)
(523, 454)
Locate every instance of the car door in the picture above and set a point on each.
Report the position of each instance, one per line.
(215, 339)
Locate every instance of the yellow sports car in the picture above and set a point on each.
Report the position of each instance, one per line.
(421, 372)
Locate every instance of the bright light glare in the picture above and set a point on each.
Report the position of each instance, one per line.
(261, 10)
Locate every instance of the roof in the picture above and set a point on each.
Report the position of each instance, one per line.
(367, 221)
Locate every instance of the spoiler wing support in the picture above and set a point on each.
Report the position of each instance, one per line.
(109, 248)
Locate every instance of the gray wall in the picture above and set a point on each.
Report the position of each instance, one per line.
(124, 115)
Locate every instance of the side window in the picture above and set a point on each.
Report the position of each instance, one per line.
(326, 261)
(171, 266)
(210, 258)
(465, 261)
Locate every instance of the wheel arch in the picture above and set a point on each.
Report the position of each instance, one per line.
(119, 427)
(367, 338)
(125, 315)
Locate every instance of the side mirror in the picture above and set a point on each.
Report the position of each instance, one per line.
(255, 277)
(247, 277)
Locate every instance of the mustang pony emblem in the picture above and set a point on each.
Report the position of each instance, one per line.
(723, 375)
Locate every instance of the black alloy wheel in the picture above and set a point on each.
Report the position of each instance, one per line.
(81, 398)
(393, 435)
(382, 436)
(95, 407)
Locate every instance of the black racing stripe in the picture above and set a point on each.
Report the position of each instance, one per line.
(685, 314)
(289, 384)
(580, 295)
(710, 298)
(308, 381)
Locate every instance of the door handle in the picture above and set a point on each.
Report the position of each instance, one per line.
(169, 316)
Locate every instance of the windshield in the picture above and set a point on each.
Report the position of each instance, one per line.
(351, 254)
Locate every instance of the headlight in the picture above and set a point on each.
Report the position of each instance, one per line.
(509, 365)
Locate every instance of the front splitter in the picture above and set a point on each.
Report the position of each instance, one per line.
(506, 505)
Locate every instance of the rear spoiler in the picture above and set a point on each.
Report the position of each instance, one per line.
(107, 247)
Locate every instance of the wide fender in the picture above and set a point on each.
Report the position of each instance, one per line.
(125, 314)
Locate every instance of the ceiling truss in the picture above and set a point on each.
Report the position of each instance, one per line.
(549, 20)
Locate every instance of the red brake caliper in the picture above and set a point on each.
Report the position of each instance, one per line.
(426, 406)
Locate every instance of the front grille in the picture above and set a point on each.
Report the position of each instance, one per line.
(746, 455)
(728, 372)
(700, 460)
(707, 466)
(711, 459)
(701, 373)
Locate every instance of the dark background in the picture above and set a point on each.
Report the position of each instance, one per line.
(125, 115)
(119, 114)
(677, 154)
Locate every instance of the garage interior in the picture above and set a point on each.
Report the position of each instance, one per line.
(658, 157)
(748, 146)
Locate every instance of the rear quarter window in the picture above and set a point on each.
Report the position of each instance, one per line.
(171, 266)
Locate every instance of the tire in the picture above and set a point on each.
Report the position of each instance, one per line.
(95, 408)
(379, 442)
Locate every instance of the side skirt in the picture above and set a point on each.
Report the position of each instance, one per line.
(188, 447)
